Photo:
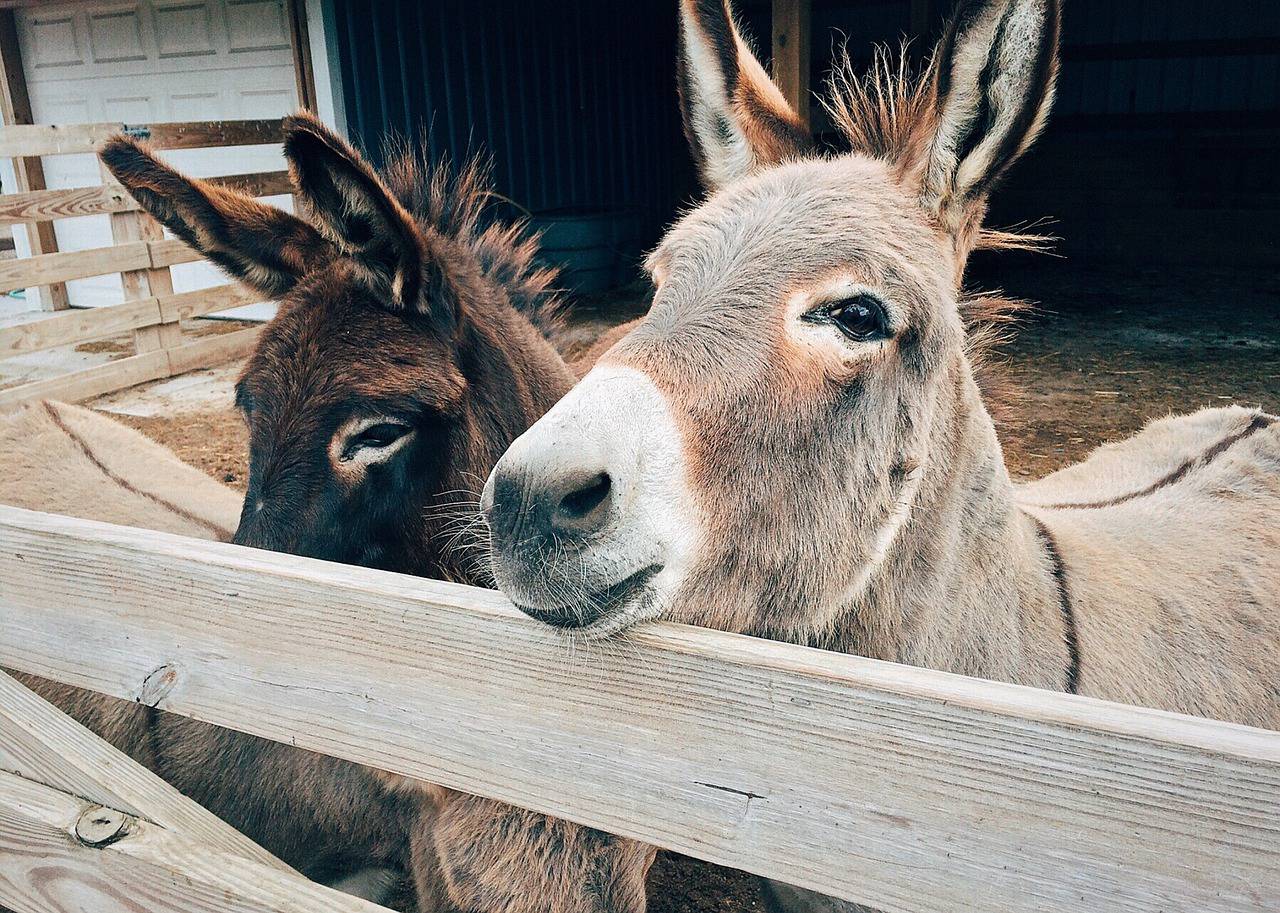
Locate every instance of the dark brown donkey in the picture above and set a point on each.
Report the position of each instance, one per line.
(404, 359)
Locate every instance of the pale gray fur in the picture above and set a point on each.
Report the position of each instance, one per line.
(854, 495)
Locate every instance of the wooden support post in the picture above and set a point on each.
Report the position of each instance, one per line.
(127, 227)
(15, 106)
(300, 41)
(791, 41)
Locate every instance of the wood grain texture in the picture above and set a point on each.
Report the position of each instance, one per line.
(791, 53)
(76, 326)
(185, 305)
(148, 868)
(171, 252)
(28, 173)
(213, 350)
(78, 264)
(89, 382)
(83, 325)
(135, 369)
(112, 198)
(902, 788)
(41, 744)
(68, 139)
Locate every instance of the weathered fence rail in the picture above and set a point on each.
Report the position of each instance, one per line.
(151, 311)
(902, 788)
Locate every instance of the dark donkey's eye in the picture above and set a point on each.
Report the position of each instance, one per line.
(859, 317)
(380, 435)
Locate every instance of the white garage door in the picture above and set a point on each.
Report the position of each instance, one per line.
(151, 61)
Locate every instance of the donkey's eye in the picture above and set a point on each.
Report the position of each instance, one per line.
(380, 435)
(859, 317)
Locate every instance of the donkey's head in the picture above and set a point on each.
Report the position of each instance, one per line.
(750, 450)
(397, 368)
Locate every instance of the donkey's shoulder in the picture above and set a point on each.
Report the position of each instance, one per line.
(1209, 446)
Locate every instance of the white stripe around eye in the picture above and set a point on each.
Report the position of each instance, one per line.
(366, 456)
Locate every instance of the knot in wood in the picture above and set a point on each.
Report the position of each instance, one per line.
(99, 826)
(158, 683)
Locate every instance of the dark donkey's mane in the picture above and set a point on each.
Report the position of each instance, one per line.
(455, 202)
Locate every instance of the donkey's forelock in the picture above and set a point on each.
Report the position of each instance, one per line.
(890, 112)
(456, 203)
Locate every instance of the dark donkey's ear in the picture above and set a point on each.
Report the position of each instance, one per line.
(262, 246)
(351, 205)
(994, 78)
(734, 115)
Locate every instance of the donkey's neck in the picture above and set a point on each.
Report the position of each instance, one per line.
(968, 585)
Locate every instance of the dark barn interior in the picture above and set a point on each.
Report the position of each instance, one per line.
(1162, 149)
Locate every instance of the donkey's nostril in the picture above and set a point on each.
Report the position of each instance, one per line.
(584, 506)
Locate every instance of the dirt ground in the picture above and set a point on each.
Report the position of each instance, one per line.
(1102, 352)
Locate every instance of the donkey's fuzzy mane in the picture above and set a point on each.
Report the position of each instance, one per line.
(889, 112)
(453, 202)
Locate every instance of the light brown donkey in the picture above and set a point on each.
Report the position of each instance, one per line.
(792, 443)
(401, 364)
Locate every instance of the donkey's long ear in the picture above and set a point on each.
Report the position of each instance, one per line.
(351, 205)
(734, 115)
(994, 79)
(260, 245)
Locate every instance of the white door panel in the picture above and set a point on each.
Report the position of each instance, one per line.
(141, 61)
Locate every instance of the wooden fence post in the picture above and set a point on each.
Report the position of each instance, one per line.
(15, 106)
(791, 40)
(137, 225)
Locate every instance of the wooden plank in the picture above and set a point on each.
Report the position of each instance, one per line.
(89, 382)
(791, 48)
(83, 325)
(76, 326)
(44, 745)
(64, 204)
(901, 788)
(112, 198)
(137, 227)
(76, 264)
(68, 139)
(213, 350)
(206, 134)
(54, 139)
(135, 369)
(15, 108)
(186, 305)
(56, 858)
(171, 252)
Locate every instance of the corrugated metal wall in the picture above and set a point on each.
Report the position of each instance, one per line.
(576, 100)
(1170, 56)
(1167, 108)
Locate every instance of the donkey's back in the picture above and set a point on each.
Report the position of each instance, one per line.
(1170, 551)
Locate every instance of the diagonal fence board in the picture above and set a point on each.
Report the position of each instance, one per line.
(134, 369)
(902, 788)
(41, 744)
(45, 868)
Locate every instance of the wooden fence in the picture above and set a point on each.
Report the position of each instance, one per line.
(902, 788)
(140, 254)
